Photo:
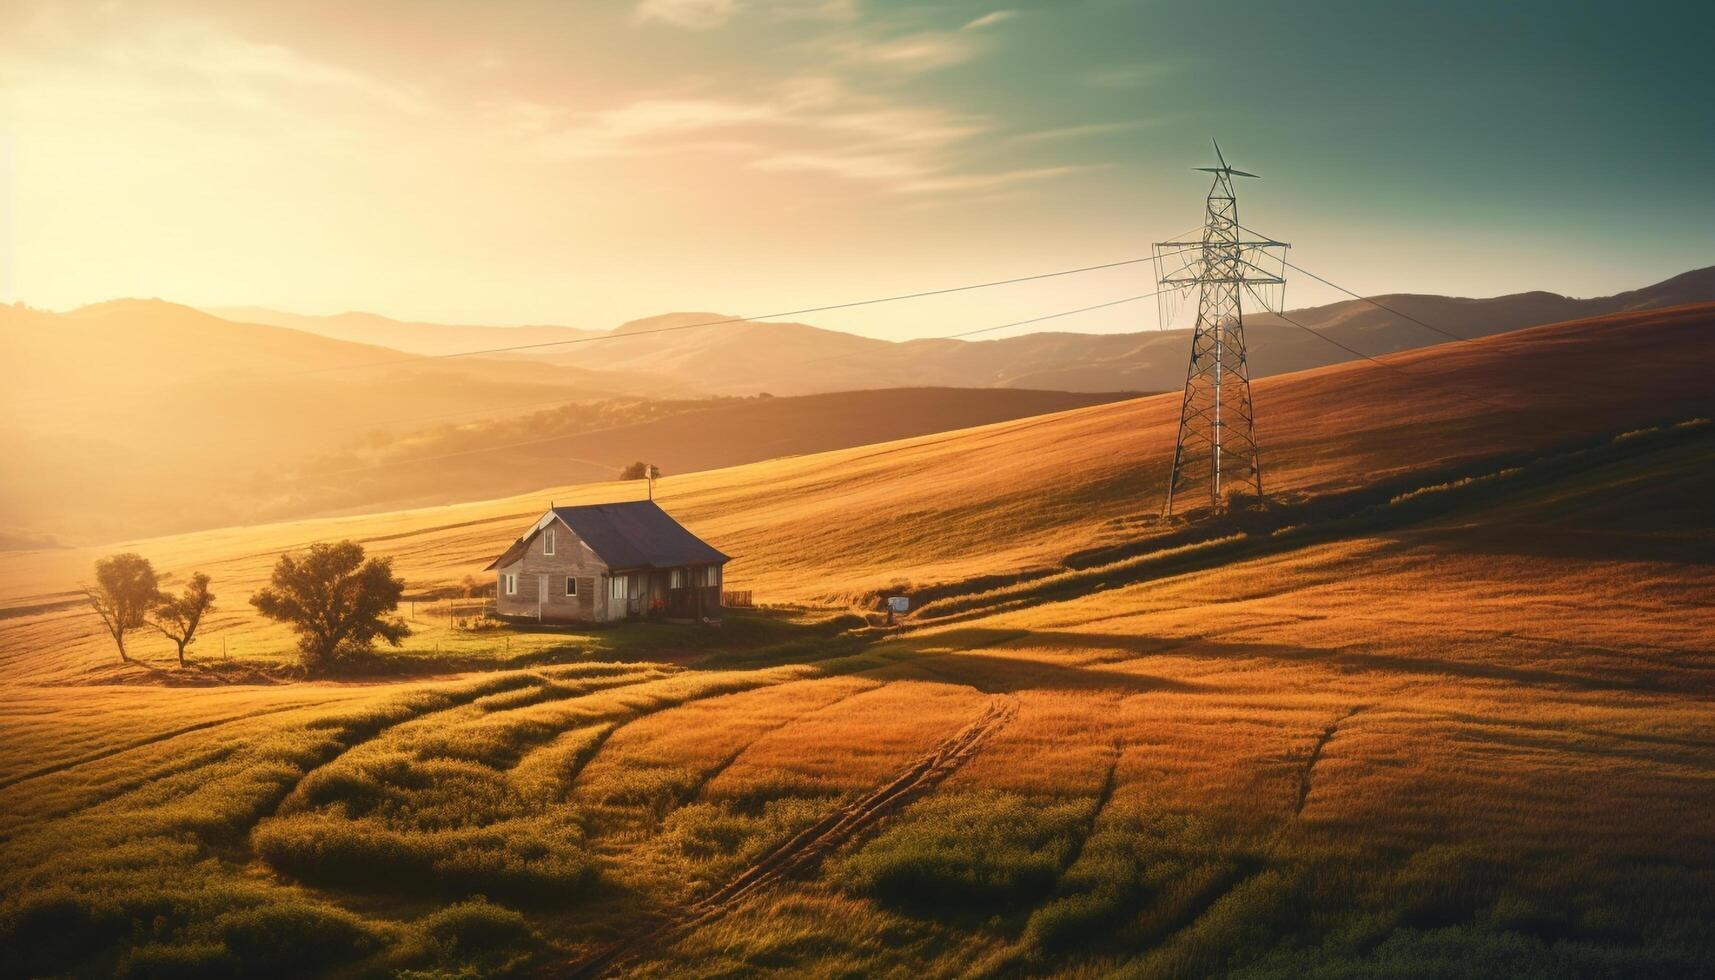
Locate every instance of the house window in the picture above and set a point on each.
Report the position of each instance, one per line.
(709, 575)
(619, 588)
(509, 582)
(571, 586)
(548, 541)
(676, 579)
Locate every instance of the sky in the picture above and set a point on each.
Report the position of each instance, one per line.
(586, 162)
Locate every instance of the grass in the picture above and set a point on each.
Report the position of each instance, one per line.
(1465, 731)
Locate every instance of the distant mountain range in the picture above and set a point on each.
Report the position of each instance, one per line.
(796, 358)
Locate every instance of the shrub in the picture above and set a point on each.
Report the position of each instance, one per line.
(185, 961)
(289, 938)
(477, 925)
(525, 858)
(976, 852)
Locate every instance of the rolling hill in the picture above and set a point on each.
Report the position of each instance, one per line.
(156, 398)
(1445, 708)
(805, 359)
(1019, 495)
(450, 464)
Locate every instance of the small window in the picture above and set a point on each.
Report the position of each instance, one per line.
(511, 583)
(548, 541)
(709, 575)
(571, 586)
(618, 588)
(676, 579)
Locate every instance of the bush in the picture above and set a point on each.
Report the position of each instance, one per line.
(293, 937)
(477, 925)
(976, 852)
(523, 858)
(187, 961)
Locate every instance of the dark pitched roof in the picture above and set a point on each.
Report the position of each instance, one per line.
(634, 534)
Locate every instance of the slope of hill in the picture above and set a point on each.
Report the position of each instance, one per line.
(805, 359)
(150, 396)
(526, 452)
(1475, 742)
(410, 337)
(1012, 496)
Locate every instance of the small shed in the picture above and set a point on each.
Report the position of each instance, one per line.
(607, 562)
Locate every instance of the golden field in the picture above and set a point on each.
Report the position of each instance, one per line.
(1446, 712)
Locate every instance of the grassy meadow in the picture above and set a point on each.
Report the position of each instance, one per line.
(1443, 711)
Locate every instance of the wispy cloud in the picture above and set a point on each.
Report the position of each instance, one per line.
(696, 15)
(989, 19)
(1081, 130)
(1000, 180)
(1127, 76)
(811, 125)
(920, 52)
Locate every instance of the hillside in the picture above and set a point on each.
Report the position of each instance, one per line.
(408, 336)
(1010, 496)
(1450, 722)
(804, 359)
(448, 464)
(151, 396)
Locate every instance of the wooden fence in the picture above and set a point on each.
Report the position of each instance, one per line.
(736, 599)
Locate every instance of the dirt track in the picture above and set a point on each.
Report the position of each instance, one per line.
(807, 849)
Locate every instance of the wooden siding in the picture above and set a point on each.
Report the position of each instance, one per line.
(649, 592)
(570, 559)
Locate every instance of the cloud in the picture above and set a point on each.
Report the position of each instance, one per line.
(989, 19)
(923, 51)
(696, 15)
(811, 125)
(1127, 76)
(949, 183)
(1081, 130)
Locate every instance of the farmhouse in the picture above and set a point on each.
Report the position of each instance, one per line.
(606, 562)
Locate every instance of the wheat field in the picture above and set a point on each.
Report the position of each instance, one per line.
(1451, 718)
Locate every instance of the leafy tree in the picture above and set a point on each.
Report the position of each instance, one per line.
(639, 470)
(337, 602)
(178, 618)
(125, 587)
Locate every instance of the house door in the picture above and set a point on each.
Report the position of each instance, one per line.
(541, 596)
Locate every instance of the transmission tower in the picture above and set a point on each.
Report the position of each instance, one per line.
(1216, 446)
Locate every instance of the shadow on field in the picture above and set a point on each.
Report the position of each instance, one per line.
(1580, 544)
(1138, 647)
(992, 674)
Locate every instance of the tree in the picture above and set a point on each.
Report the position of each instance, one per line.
(337, 602)
(639, 470)
(125, 587)
(178, 618)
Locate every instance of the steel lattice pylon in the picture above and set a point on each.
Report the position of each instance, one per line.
(1216, 445)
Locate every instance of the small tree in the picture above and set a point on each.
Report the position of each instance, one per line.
(337, 602)
(639, 470)
(178, 618)
(125, 587)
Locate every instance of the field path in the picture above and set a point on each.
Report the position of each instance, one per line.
(807, 849)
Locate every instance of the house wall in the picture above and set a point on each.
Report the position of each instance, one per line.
(571, 558)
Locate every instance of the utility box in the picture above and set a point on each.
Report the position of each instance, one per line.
(898, 604)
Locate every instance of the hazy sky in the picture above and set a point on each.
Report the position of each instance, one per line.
(587, 162)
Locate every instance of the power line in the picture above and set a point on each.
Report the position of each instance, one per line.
(384, 464)
(1378, 305)
(573, 341)
(1373, 360)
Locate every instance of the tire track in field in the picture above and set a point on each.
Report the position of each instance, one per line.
(809, 847)
(1238, 873)
(1109, 784)
(1309, 769)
